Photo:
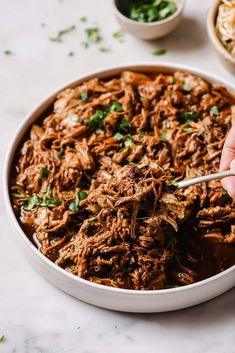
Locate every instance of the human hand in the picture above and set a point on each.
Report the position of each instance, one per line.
(228, 161)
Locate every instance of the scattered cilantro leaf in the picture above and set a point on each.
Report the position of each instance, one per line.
(44, 172)
(59, 37)
(159, 52)
(31, 202)
(119, 136)
(83, 19)
(73, 118)
(8, 52)
(187, 129)
(96, 121)
(214, 110)
(19, 195)
(104, 50)
(119, 34)
(190, 116)
(93, 35)
(55, 201)
(172, 182)
(74, 206)
(128, 141)
(116, 107)
(124, 125)
(90, 226)
(84, 96)
(2, 338)
(60, 153)
(140, 134)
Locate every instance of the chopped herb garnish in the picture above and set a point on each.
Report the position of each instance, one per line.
(128, 141)
(44, 172)
(99, 131)
(2, 338)
(152, 10)
(163, 136)
(85, 45)
(96, 121)
(140, 134)
(104, 50)
(68, 196)
(119, 34)
(214, 110)
(201, 132)
(60, 34)
(55, 201)
(190, 116)
(73, 118)
(118, 136)
(8, 52)
(124, 125)
(187, 88)
(19, 195)
(49, 192)
(60, 153)
(74, 206)
(31, 202)
(93, 35)
(83, 19)
(84, 96)
(172, 182)
(71, 53)
(90, 225)
(159, 52)
(187, 129)
(116, 107)
(139, 166)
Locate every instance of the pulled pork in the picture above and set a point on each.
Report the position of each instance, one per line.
(93, 184)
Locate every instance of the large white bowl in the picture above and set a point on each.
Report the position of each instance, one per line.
(100, 295)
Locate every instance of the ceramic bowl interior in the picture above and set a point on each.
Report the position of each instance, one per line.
(225, 57)
(100, 295)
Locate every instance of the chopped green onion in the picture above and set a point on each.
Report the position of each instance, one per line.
(74, 206)
(2, 338)
(124, 125)
(187, 129)
(190, 116)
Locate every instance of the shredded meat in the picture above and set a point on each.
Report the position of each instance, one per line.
(93, 184)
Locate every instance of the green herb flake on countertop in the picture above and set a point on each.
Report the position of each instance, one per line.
(8, 52)
(83, 19)
(159, 52)
(118, 35)
(104, 50)
(2, 338)
(60, 35)
(93, 35)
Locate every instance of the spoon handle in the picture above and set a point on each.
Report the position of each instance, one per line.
(185, 183)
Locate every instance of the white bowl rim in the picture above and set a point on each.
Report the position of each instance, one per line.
(137, 66)
(150, 24)
(212, 32)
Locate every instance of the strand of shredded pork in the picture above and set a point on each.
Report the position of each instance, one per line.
(94, 181)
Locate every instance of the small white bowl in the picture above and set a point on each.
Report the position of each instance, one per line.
(225, 57)
(148, 30)
(97, 294)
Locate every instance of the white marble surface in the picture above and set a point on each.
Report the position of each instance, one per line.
(34, 316)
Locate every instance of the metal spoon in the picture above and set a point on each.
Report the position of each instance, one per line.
(185, 183)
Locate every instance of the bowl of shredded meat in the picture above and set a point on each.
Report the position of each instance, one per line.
(221, 31)
(89, 186)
